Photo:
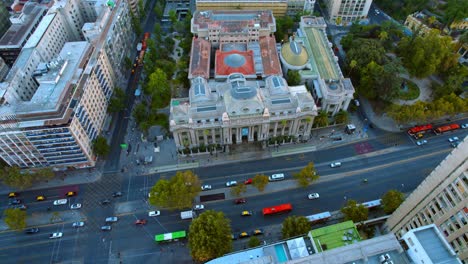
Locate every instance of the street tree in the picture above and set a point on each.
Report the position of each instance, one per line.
(210, 236)
(136, 24)
(158, 89)
(295, 226)
(342, 117)
(254, 242)
(15, 218)
(260, 181)
(321, 120)
(307, 175)
(44, 174)
(176, 193)
(173, 16)
(117, 101)
(142, 10)
(391, 200)
(355, 212)
(293, 78)
(364, 51)
(158, 11)
(13, 177)
(100, 146)
(456, 10)
(238, 190)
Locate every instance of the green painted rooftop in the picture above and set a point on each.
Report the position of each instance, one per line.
(335, 236)
(322, 54)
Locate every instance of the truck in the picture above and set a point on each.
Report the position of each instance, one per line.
(187, 215)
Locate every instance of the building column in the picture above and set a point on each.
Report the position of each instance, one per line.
(176, 138)
(213, 135)
(251, 133)
(193, 138)
(238, 134)
(276, 128)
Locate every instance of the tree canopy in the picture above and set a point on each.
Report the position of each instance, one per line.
(100, 146)
(176, 193)
(321, 120)
(307, 175)
(238, 190)
(254, 242)
(295, 226)
(158, 89)
(391, 200)
(260, 181)
(14, 177)
(117, 101)
(293, 78)
(210, 236)
(355, 212)
(15, 219)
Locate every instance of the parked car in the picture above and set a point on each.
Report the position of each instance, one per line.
(112, 219)
(198, 207)
(117, 194)
(70, 194)
(154, 213)
(12, 194)
(140, 222)
(246, 213)
(335, 164)
(15, 202)
(78, 224)
(105, 202)
(206, 187)
(257, 232)
(231, 183)
(248, 181)
(464, 126)
(60, 202)
(40, 198)
(455, 144)
(106, 228)
(313, 196)
(75, 206)
(453, 139)
(32, 230)
(56, 235)
(240, 201)
(421, 142)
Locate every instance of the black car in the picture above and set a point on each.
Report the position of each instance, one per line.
(32, 230)
(117, 194)
(105, 202)
(14, 201)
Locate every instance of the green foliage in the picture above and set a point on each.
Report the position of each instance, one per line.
(158, 11)
(136, 25)
(128, 63)
(293, 78)
(307, 175)
(365, 51)
(391, 200)
(117, 101)
(342, 117)
(167, 66)
(456, 10)
(254, 242)
(142, 10)
(401, 9)
(453, 81)
(158, 89)
(238, 190)
(412, 93)
(173, 16)
(260, 181)
(176, 193)
(14, 177)
(15, 218)
(284, 26)
(380, 82)
(355, 212)
(210, 236)
(295, 226)
(100, 146)
(321, 120)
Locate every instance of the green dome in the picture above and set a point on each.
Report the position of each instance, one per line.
(294, 53)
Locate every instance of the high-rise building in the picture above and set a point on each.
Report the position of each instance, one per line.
(441, 199)
(5, 22)
(347, 10)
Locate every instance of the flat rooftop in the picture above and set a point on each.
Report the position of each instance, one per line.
(335, 236)
(435, 249)
(233, 20)
(40, 30)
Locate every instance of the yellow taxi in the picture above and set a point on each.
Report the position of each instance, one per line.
(257, 232)
(246, 213)
(12, 195)
(243, 234)
(40, 198)
(70, 194)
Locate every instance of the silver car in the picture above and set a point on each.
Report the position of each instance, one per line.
(78, 224)
(112, 219)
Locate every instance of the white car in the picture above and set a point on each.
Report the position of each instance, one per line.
(60, 202)
(231, 183)
(56, 235)
(464, 126)
(78, 224)
(421, 142)
(75, 206)
(453, 139)
(198, 207)
(154, 213)
(313, 196)
(335, 164)
(206, 187)
(112, 219)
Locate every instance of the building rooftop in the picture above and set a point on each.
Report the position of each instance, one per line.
(335, 236)
(200, 58)
(234, 62)
(294, 53)
(22, 25)
(40, 30)
(232, 21)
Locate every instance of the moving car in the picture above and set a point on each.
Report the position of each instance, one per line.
(75, 206)
(21, 207)
(117, 194)
(70, 194)
(464, 126)
(112, 219)
(106, 228)
(14, 202)
(453, 139)
(246, 213)
(248, 181)
(231, 183)
(276, 177)
(198, 207)
(257, 232)
(40, 198)
(154, 213)
(140, 222)
(206, 187)
(105, 202)
(313, 196)
(60, 202)
(56, 235)
(32, 230)
(243, 235)
(78, 224)
(240, 201)
(13, 195)
(455, 144)
(335, 164)
(421, 142)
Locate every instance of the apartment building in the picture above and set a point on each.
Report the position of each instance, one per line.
(3, 69)
(279, 8)
(56, 127)
(347, 10)
(441, 199)
(5, 22)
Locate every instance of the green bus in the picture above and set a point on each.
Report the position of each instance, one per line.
(167, 237)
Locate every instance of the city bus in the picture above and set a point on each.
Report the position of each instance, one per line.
(446, 128)
(417, 131)
(168, 237)
(278, 209)
(319, 218)
(372, 204)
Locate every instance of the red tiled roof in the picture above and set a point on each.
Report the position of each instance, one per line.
(18, 8)
(270, 60)
(223, 69)
(200, 58)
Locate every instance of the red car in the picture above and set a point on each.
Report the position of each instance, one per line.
(240, 201)
(248, 181)
(140, 222)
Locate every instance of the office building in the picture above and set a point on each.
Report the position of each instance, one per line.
(347, 10)
(441, 199)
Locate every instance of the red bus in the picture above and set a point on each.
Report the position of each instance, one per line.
(279, 209)
(446, 128)
(414, 131)
(319, 218)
